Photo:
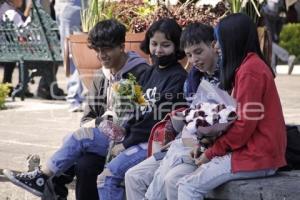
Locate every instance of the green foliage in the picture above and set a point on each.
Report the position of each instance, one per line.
(248, 7)
(4, 91)
(98, 10)
(132, 78)
(95, 12)
(290, 38)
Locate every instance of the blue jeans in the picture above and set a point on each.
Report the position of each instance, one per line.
(75, 89)
(75, 145)
(110, 188)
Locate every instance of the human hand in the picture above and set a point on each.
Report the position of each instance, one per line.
(201, 160)
(117, 149)
(196, 152)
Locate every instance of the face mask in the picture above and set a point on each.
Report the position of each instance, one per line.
(163, 60)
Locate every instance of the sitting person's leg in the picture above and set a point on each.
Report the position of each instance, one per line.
(88, 167)
(163, 185)
(109, 180)
(81, 141)
(177, 155)
(86, 170)
(173, 176)
(139, 177)
(212, 174)
(59, 183)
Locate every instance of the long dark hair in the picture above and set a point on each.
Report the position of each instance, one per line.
(237, 36)
(172, 32)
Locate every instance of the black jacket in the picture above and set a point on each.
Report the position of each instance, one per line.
(169, 90)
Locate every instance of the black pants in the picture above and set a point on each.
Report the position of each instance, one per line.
(88, 167)
(8, 71)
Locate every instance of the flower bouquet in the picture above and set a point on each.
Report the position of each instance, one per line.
(128, 102)
(210, 114)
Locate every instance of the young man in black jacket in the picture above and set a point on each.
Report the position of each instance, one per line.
(108, 39)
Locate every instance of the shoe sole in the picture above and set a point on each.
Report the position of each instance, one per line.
(9, 174)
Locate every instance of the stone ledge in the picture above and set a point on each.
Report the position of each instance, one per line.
(284, 186)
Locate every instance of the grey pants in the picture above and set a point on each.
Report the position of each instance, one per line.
(139, 177)
(212, 174)
(279, 52)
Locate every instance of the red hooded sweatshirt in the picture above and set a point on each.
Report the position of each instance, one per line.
(257, 139)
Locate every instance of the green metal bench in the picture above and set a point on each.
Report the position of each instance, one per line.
(32, 46)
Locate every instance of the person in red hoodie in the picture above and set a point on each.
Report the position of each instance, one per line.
(254, 146)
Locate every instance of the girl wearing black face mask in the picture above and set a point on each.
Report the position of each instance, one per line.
(162, 43)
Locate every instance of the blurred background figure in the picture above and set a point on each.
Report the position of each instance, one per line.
(10, 9)
(67, 14)
(274, 13)
(19, 11)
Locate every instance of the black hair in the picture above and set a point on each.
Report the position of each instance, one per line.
(195, 33)
(107, 33)
(237, 36)
(172, 32)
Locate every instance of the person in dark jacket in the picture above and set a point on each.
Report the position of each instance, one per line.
(108, 39)
(163, 85)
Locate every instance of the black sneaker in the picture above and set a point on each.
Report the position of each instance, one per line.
(34, 182)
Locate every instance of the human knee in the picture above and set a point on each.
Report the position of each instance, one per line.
(101, 177)
(170, 181)
(128, 175)
(84, 133)
(131, 175)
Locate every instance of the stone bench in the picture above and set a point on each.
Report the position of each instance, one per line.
(284, 186)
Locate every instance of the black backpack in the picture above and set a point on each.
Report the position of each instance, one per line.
(293, 148)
